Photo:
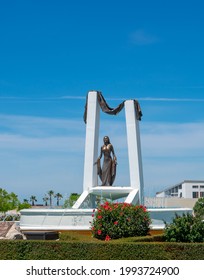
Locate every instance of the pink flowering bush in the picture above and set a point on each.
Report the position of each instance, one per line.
(117, 220)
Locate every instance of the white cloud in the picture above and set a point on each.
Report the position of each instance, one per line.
(40, 126)
(73, 97)
(173, 139)
(69, 144)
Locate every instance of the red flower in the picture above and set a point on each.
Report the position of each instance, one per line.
(107, 238)
(116, 222)
(99, 232)
(99, 217)
(143, 208)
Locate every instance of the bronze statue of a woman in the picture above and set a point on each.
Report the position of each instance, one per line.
(108, 172)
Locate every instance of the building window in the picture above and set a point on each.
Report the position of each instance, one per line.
(201, 194)
(180, 187)
(195, 194)
(195, 187)
(202, 187)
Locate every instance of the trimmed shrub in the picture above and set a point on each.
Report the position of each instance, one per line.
(117, 220)
(61, 250)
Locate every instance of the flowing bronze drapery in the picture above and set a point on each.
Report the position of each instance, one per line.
(113, 111)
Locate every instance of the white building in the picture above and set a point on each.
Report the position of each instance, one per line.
(185, 189)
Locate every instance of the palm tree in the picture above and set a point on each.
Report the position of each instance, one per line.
(33, 199)
(45, 199)
(58, 196)
(50, 194)
(14, 200)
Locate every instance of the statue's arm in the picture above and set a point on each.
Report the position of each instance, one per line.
(113, 152)
(100, 156)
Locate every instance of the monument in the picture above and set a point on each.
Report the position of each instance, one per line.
(78, 217)
(91, 188)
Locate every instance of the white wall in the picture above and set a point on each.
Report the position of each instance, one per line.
(187, 189)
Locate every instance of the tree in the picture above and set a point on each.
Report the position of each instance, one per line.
(14, 200)
(33, 199)
(199, 208)
(8, 201)
(58, 196)
(45, 199)
(71, 200)
(51, 195)
(24, 205)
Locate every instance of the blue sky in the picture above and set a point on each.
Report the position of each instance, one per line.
(53, 52)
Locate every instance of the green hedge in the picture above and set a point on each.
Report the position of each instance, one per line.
(64, 250)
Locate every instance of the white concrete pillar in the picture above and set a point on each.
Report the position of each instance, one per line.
(134, 149)
(91, 142)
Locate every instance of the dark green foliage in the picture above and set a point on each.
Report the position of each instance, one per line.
(8, 201)
(71, 200)
(23, 205)
(197, 231)
(117, 220)
(185, 228)
(199, 208)
(100, 250)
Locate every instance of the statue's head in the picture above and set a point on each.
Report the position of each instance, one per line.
(106, 140)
